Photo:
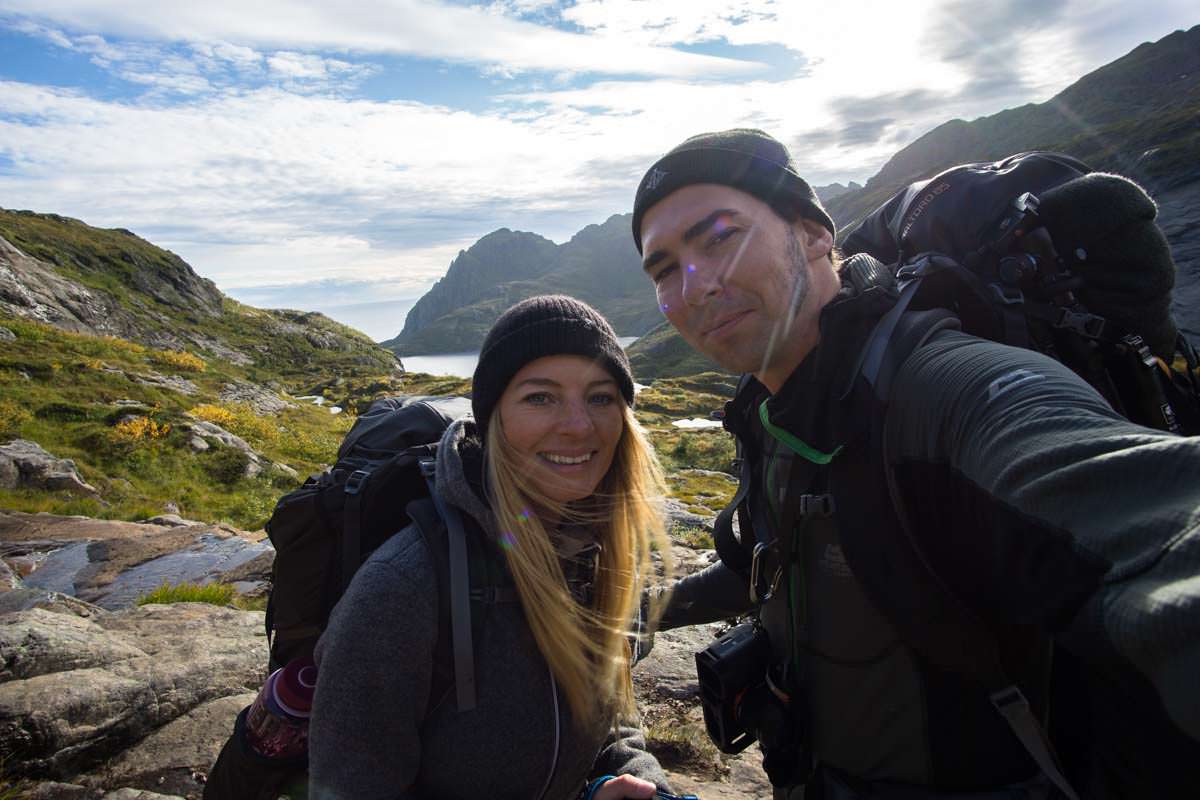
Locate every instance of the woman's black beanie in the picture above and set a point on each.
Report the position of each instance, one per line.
(547, 325)
(744, 158)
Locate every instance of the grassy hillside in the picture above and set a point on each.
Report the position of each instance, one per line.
(160, 300)
(662, 353)
(79, 397)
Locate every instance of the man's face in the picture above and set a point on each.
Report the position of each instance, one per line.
(734, 278)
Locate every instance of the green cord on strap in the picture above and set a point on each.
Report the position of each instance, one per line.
(792, 442)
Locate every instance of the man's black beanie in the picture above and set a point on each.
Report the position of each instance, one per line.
(744, 158)
(547, 325)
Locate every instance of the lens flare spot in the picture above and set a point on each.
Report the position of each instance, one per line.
(691, 268)
(524, 515)
(665, 307)
(507, 541)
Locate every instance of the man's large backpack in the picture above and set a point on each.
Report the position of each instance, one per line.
(1033, 251)
(324, 531)
(1037, 251)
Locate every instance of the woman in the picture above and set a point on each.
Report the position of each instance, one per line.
(558, 477)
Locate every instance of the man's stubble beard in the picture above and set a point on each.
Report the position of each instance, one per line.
(800, 286)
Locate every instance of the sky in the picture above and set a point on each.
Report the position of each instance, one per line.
(336, 156)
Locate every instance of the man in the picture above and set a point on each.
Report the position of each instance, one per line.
(920, 550)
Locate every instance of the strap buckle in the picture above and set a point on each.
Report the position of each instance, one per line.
(816, 505)
(356, 481)
(1085, 324)
(1139, 346)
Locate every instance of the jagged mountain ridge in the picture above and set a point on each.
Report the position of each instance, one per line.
(835, 190)
(499, 257)
(110, 282)
(1135, 116)
(598, 265)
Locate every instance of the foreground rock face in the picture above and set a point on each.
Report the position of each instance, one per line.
(1179, 216)
(134, 703)
(112, 699)
(109, 563)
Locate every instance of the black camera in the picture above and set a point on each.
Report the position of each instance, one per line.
(731, 671)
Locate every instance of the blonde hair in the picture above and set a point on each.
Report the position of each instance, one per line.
(587, 649)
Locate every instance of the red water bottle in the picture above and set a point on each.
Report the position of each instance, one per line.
(277, 722)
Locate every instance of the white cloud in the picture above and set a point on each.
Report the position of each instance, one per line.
(297, 65)
(52, 35)
(285, 187)
(289, 182)
(668, 22)
(425, 28)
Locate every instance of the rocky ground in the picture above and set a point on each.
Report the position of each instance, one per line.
(1179, 216)
(103, 699)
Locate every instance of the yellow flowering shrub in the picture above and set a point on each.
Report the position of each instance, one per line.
(179, 359)
(117, 343)
(137, 430)
(238, 419)
(217, 415)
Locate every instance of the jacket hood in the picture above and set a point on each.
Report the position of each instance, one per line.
(460, 474)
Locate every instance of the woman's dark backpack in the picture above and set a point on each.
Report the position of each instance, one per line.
(324, 531)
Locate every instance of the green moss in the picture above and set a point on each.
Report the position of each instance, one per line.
(226, 465)
(219, 594)
(696, 538)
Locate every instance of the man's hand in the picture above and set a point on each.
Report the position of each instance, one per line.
(625, 786)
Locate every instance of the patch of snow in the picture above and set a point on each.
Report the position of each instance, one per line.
(696, 422)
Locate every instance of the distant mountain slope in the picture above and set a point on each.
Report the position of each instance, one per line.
(500, 257)
(599, 265)
(1135, 116)
(110, 282)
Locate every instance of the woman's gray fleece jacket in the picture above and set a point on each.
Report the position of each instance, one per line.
(370, 737)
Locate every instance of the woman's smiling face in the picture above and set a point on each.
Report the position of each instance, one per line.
(562, 416)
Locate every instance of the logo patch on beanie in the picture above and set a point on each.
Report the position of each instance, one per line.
(655, 178)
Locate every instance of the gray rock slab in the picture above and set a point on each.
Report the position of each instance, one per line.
(41, 642)
(172, 383)
(110, 563)
(54, 790)
(262, 400)
(176, 757)
(99, 686)
(670, 669)
(25, 464)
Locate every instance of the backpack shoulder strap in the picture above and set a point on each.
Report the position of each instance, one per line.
(944, 629)
(737, 551)
(466, 574)
(429, 524)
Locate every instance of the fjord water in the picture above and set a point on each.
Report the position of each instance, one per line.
(461, 365)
